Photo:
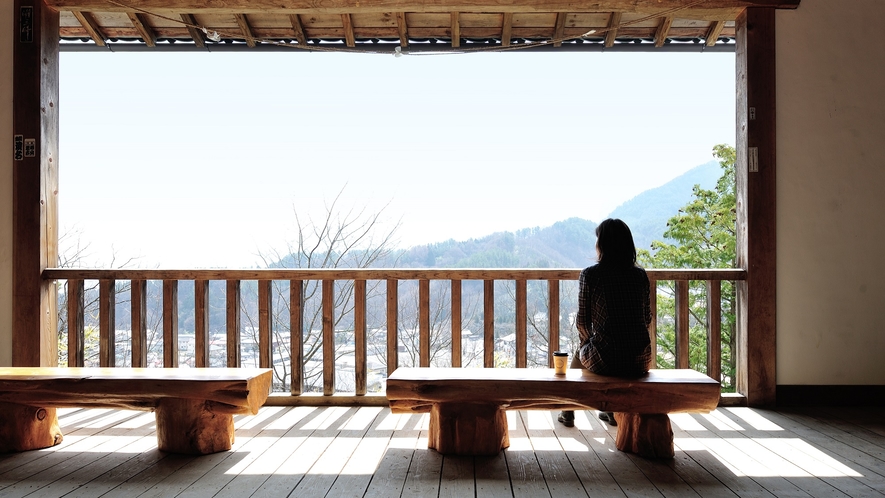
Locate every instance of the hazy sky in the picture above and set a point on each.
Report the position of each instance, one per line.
(201, 159)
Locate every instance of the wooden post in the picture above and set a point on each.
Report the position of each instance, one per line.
(488, 328)
(755, 177)
(170, 323)
(34, 183)
(107, 323)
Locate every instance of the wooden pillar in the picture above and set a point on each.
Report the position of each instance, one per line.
(35, 183)
(756, 207)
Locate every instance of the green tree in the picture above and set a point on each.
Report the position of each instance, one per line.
(702, 235)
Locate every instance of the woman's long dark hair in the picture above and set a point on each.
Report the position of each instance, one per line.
(615, 243)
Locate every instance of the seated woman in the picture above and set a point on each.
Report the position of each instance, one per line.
(613, 311)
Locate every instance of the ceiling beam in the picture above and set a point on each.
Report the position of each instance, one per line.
(347, 22)
(663, 31)
(347, 6)
(243, 23)
(507, 29)
(403, 29)
(147, 34)
(713, 34)
(91, 27)
(612, 32)
(456, 30)
(559, 29)
(299, 29)
(195, 33)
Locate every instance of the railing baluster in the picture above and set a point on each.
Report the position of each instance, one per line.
(653, 325)
(328, 338)
(392, 325)
(682, 359)
(552, 319)
(76, 329)
(138, 301)
(488, 329)
(170, 323)
(107, 304)
(521, 335)
(265, 324)
(233, 323)
(360, 370)
(456, 323)
(424, 322)
(714, 329)
(201, 323)
(296, 336)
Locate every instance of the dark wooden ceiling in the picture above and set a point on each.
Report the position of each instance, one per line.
(409, 24)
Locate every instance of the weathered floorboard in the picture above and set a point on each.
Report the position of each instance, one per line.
(367, 451)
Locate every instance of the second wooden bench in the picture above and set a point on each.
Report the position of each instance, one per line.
(467, 405)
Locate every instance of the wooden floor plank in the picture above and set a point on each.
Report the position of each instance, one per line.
(206, 475)
(601, 439)
(458, 477)
(124, 445)
(357, 473)
(281, 430)
(559, 474)
(393, 468)
(425, 470)
(311, 440)
(491, 478)
(526, 478)
(594, 476)
(840, 419)
(823, 442)
(322, 475)
(55, 465)
(349, 451)
(752, 459)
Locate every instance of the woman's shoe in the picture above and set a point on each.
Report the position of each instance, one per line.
(608, 418)
(566, 418)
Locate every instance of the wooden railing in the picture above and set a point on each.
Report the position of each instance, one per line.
(108, 278)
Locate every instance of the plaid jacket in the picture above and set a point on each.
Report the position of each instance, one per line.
(613, 319)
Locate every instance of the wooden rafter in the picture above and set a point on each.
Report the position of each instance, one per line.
(348, 6)
(299, 29)
(663, 31)
(456, 30)
(613, 22)
(91, 27)
(507, 29)
(403, 29)
(243, 23)
(713, 34)
(347, 22)
(147, 34)
(559, 29)
(195, 33)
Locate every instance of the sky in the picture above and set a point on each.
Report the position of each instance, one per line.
(201, 160)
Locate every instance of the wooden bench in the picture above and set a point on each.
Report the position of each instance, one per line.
(467, 405)
(194, 407)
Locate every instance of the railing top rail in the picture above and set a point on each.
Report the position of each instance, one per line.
(373, 274)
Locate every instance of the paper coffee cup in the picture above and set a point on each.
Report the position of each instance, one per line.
(560, 362)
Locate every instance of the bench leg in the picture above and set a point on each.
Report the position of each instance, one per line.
(192, 427)
(468, 429)
(24, 427)
(647, 434)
